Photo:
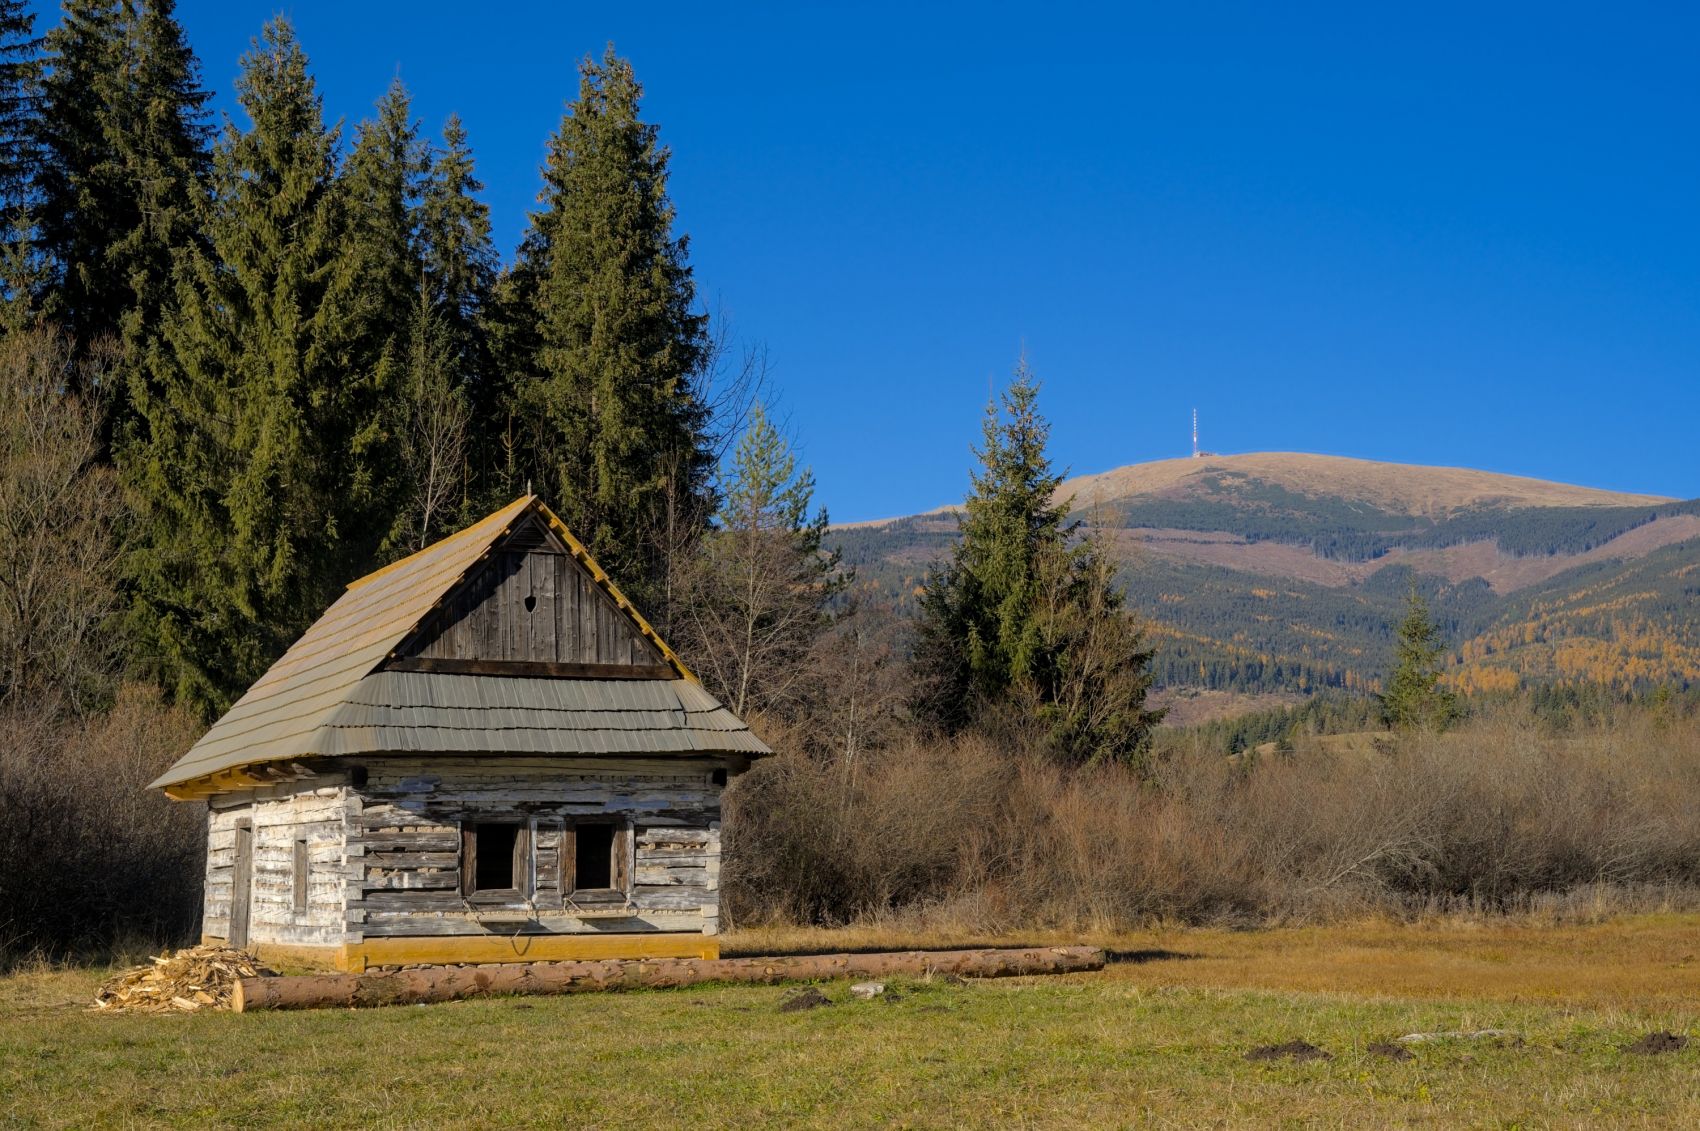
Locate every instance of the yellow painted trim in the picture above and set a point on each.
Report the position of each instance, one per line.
(607, 583)
(297, 954)
(451, 949)
(224, 781)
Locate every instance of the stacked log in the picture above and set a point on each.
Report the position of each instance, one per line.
(417, 986)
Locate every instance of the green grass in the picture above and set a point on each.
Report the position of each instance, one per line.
(1094, 1050)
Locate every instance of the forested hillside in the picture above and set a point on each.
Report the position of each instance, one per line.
(1287, 573)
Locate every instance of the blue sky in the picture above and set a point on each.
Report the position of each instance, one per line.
(1452, 234)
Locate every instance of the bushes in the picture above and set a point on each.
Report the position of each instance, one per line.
(90, 860)
(1503, 814)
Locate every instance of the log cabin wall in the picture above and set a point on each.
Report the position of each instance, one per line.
(286, 905)
(406, 838)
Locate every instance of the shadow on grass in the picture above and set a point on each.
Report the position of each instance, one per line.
(810, 950)
(1113, 957)
(1137, 957)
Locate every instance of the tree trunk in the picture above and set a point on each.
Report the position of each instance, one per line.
(447, 983)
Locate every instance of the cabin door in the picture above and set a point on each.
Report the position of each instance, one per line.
(242, 885)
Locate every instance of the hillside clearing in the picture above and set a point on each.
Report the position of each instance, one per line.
(1153, 1039)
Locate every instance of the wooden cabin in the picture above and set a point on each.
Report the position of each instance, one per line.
(481, 753)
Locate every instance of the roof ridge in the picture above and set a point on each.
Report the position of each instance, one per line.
(396, 565)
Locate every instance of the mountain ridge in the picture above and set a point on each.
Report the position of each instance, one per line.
(1424, 489)
(1281, 572)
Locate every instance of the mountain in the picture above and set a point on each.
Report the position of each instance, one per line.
(1282, 572)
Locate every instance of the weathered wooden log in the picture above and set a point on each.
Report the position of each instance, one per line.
(447, 983)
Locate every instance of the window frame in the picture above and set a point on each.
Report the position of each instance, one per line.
(524, 861)
(620, 864)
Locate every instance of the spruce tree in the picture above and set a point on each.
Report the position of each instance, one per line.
(20, 73)
(1415, 699)
(22, 277)
(617, 421)
(460, 265)
(381, 184)
(160, 141)
(1026, 615)
(124, 160)
(123, 145)
(978, 633)
(79, 203)
(264, 432)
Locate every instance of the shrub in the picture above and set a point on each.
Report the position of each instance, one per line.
(1508, 812)
(90, 860)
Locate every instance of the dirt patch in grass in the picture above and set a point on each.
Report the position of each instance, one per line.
(1391, 1051)
(1292, 1050)
(806, 998)
(1655, 1043)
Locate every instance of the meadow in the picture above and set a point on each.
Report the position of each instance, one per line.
(1159, 1038)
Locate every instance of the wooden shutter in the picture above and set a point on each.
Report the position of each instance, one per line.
(622, 853)
(522, 860)
(468, 858)
(302, 867)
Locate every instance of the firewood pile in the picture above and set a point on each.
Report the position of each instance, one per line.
(194, 978)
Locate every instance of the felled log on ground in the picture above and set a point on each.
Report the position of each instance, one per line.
(447, 983)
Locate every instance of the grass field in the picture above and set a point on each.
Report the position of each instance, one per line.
(1158, 1038)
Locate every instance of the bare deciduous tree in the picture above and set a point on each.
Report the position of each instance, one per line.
(859, 683)
(434, 434)
(758, 591)
(61, 515)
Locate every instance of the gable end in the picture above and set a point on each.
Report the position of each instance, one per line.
(531, 608)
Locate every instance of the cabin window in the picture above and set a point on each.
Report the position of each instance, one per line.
(593, 864)
(302, 864)
(598, 861)
(495, 856)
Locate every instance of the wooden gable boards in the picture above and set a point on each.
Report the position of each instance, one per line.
(533, 607)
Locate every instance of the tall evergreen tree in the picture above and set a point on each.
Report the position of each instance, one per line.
(460, 259)
(619, 422)
(123, 139)
(1026, 613)
(382, 181)
(978, 631)
(460, 264)
(21, 276)
(123, 164)
(264, 429)
(20, 72)
(157, 128)
(77, 193)
(1415, 699)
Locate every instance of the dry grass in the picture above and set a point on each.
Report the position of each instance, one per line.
(1156, 1042)
(1642, 964)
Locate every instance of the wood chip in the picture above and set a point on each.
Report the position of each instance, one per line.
(192, 979)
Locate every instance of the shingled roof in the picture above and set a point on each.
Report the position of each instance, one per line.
(327, 695)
